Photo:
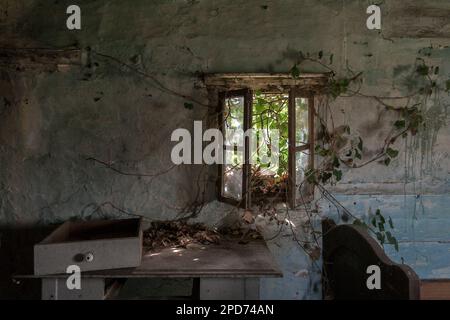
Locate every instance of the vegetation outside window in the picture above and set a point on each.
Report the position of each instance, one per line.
(244, 179)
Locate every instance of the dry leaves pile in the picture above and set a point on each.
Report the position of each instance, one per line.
(266, 186)
(178, 234)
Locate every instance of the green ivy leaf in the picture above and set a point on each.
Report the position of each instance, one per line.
(400, 124)
(338, 175)
(392, 240)
(395, 244)
(358, 155)
(389, 236)
(423, 70)
(392, 153)
(326, 176)
(387, 161)
(360, 144)
(374, 222)
(347, 129)
(295, 72)
(310, 176)
(336, 162)
(391, 223)
(189, 105)
(380, 237)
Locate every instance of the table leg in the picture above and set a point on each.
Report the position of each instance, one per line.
(229, 288)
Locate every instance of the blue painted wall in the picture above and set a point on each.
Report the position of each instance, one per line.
(422, 228)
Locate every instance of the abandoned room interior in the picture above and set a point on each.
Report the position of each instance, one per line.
(224, 149)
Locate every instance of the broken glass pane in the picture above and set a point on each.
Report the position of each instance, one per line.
(301, 166)
(301, 123)
(232, 182)
(233, 141)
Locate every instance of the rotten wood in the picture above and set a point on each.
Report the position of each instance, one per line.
(309, 82)
(42, 58)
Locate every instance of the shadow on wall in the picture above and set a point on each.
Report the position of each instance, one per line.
(16, 256)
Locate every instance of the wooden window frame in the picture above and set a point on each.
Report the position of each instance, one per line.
(307, 86)
(293, 148)
(245, 200)
(294, 93)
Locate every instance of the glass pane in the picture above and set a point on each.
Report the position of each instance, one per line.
(233, 141)
(234, 114)
(301, 166)
(301, 121)
(232, 182)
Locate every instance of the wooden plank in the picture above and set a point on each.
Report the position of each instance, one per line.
(438, 289)
(43, 58)
(240, 75)
(279, 81)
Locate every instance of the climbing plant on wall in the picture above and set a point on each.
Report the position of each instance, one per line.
(340, 148)
(343, 148)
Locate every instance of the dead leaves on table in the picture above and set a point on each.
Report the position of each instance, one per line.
(178, 234)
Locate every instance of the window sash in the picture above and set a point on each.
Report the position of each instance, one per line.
(293, 148)
(245, 200)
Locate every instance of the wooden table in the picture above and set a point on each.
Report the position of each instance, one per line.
(228, 270)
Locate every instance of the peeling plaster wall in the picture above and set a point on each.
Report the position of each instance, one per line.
(50, 123)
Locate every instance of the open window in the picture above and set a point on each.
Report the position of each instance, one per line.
(235, 118)
(246, 176)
